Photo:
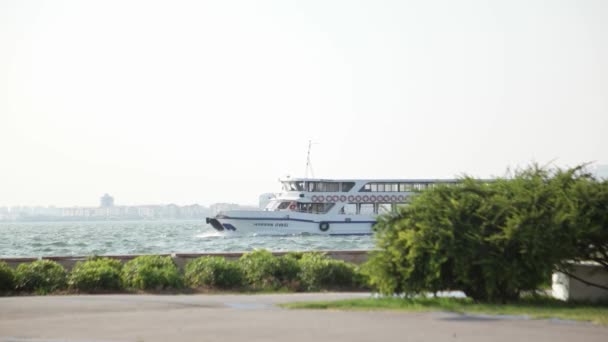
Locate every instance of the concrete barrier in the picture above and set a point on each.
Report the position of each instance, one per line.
(568, 288)
(352, 256)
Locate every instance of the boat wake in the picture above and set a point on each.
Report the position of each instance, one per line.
(210, 235)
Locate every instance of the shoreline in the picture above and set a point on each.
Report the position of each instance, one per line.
(357, 257)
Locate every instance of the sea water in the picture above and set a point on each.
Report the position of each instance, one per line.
(34, 239)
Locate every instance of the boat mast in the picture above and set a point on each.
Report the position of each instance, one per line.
(308, 163)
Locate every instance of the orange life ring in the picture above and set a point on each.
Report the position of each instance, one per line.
(292, 206)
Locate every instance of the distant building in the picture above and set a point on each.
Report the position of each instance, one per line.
(106, 201)
(216, 208)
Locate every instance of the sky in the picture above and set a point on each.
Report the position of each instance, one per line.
(213, 101)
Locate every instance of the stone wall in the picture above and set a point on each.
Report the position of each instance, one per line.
(355, 256)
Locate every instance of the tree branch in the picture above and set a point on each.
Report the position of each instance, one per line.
(584, 281)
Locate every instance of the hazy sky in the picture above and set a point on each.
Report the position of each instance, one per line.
(210, 101)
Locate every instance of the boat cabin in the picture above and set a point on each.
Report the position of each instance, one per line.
(348, 197)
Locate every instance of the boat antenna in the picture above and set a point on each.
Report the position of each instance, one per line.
(308, 163)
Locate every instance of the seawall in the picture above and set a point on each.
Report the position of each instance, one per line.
(353, 256)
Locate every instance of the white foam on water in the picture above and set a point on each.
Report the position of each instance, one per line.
(211, 234)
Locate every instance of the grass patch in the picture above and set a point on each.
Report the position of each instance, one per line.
(537, 308)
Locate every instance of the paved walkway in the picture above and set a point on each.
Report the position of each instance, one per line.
(139, 318)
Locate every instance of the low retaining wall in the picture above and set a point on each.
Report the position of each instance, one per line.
(354, 256)
(567, 288)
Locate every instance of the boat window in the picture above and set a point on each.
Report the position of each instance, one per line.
(349, 209)
(293, 186)
(283, 205)
(366, 209)
(315, 187)
(332, 187)
(380, 187)
(394, 187)
(384, 208)
(405, 187)
(347, 186)
(366, 188)
(323, 187)
(374, 187)
(321, 208)
(304, 207)
(419, 186)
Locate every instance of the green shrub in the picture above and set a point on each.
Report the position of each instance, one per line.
(7, 278)
(317, 272)
(264, 271)
(215, 272)
(361, 279)
(95, 275)
(492, 240)
(41, 276)
(151, 272)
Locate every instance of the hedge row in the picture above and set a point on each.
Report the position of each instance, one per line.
(258, 270)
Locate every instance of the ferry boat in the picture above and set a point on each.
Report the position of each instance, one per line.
(324, 206)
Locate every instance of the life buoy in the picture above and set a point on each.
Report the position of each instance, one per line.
(342, 198)
(387, 198)
(372, 198)
(351, 198)
(400, 198)
(323, 226)
(292, 206)
(358, 198)
(335, 198)
(321, 198)
(314, 198)
(365, 198)
(393, 198)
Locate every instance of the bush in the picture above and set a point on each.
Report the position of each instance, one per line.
(262, 270)
(319, 272)
(151, 272)
(492, 240)
(215, 272)
(95, 275)
(7, 278)
(41, 276)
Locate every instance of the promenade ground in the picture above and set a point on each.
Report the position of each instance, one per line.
(175, 318)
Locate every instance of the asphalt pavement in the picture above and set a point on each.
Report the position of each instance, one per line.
(138, 318)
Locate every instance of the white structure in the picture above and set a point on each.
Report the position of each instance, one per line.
(567, 288)
(601, 171)
(323, 206)
(265, 199)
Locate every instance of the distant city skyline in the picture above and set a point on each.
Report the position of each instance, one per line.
(212, 101)
(106, 211)
(599, 171)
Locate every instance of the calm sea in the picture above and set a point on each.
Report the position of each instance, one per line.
(33, 239)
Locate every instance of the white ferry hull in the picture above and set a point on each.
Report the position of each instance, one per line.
(273, 225)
